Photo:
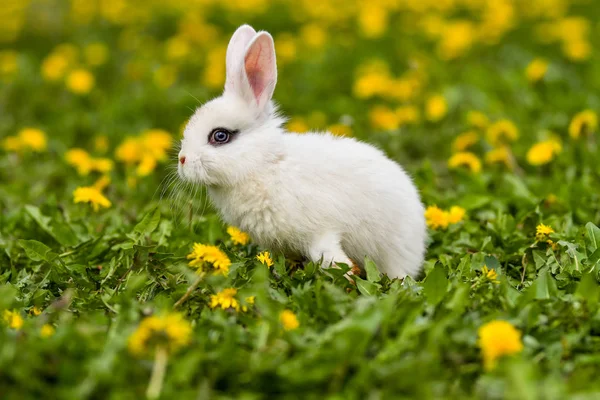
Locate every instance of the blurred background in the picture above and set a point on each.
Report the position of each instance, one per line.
(402, 73)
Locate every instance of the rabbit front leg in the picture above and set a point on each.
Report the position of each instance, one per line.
(327, 248)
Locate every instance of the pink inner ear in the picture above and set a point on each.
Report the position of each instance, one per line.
(258, 68)
(257, 81)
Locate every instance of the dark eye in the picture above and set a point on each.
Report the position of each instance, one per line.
(219, 136)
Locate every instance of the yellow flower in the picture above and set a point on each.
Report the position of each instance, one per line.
(32, 138)
(577, 50)
(372, 19)
(373, 79)
(502, 132)
(436, 218)
(477, 119)
(456, 39)
(542, 231)
(490, 274)
(130, 151)
(408, 115)
(237, 236)
(465, 140)
(536, 70)
(249, 302)
(12, 143)
(383, 118)
(8, 63)
(499, 155)
(96, 54)
(225, 299)
(286, 48)
(47, 330)
(436, 108)
(177, 48)
(467, 159)
(80, 81)
(202, 254)
(313, 36)
(35, 311)
(543, 152)
(265, 258)
(289, 320)
(298, 125)
(170, 330)
(496, 339)
(54, 67)
(146, 165)
(340, 130)
(583, 123)
(102, 182)
(156, 142)
(165, 76)
(13, 319)
(456, 214)
(80, 159)
(91, 194)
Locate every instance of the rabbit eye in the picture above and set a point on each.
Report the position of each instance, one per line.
(220, 136)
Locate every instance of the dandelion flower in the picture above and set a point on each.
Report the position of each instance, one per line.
(297, 124)
(496, 339)
(80, 81)
(225, 299)
(13, 319)
(536, 70)
(477, 119)
(170, 331)
(383, 118)
(92, 195)
(340, 130)
(436, 108)
(543, 152)
(542, 231)
(202, 254)
(47, 330)
(465, 159)
(33, 139)
(490, 274)
(499, 155)
(502, 132)
(583, 123)
(265, 258)
(436, 218)
(456, 214)
(465, 140)
(289, 320)
(237, 236)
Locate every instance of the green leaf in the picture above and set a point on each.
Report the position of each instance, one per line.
(593, 236)
(60, 231)
(435, 285)
(365, 287)
(373, 274)
(544, 287)
(147, 225)
(588, 289)
(37, 251)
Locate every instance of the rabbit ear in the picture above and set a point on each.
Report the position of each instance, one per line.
(260, 67)
(236, 50)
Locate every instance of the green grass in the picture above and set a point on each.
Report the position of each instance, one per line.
(97, 275)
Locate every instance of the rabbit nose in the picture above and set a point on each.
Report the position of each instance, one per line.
(182, 159)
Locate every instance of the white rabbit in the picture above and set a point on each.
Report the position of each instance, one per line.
(329, 198)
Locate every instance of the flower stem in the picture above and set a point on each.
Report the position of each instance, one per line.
(188, 292)
(158, 373)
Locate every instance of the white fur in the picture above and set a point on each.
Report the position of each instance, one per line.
(328, 198)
